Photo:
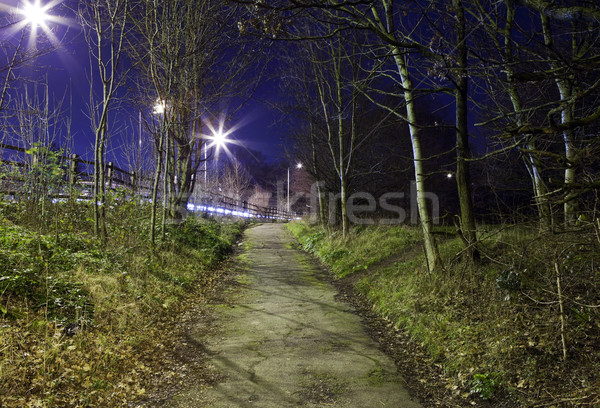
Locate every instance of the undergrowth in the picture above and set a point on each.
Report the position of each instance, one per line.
(495, 326)
(76, 315)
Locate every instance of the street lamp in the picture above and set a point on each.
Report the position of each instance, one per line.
(34, 13)
(298, 166)
(160, 107)
(219, 140)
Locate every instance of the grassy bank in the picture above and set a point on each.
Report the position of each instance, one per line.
(79, 320)
(495, 327)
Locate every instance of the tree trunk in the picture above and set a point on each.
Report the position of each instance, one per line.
(434, 261)
(181, 180)
(565, 90)
(532, 162)
(165, 197)
(343, 205)
(316, 174)
(463, 151)
(539, 189)
(340, 131)
(99, 183)
(155, 184)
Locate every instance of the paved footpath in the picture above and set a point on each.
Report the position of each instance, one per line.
(284, 341)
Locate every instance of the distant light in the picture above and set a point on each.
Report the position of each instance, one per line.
(34, 13)
(449, 175)
(160, 107)
(299, 165)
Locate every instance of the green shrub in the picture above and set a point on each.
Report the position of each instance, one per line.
(311, 243)
(484, 385)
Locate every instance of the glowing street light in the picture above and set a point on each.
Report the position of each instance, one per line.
(37, 16)
(34, 13)
(160, 107)
(219, 139)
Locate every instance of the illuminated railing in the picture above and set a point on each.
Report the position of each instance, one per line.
(79, 181)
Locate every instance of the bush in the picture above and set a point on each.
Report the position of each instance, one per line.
(57, 280)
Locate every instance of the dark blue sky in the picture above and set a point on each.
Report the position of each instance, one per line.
(66, 72)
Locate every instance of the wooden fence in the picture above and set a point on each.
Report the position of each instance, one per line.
(79, 180)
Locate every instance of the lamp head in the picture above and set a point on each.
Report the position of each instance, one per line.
(219, 139)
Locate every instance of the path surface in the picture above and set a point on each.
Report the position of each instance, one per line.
(286, 342)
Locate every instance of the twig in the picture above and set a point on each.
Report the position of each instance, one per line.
(562, 313)
(538, 302)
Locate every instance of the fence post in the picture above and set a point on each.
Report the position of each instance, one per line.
(132, 181)
(72, 174)
(110, 175)
(34, 158)
(193, 194)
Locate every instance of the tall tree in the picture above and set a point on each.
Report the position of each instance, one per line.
(105, 27)
(502, 31)
(390, 22)
(549, 66)
(463, 150)
(236, 181)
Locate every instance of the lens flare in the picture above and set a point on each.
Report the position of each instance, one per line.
(34, 13)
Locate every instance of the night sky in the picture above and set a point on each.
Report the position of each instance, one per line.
(258, 127)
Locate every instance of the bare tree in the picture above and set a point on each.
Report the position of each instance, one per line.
(303, 83)
(105, 26)
(236, 182)
(259, 196)
(549, 77)
(37, 127)
(501, 28)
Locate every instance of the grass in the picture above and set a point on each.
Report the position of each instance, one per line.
(78, 319)
(363, 247)
(494, 325)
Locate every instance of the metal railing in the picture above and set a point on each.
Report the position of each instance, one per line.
(78, 182)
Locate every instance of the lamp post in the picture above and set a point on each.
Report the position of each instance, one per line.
(298, 166)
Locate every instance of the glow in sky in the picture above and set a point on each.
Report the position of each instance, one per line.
(36, 16)
(35, 13)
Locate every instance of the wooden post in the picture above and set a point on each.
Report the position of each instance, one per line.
(34, 158)
(110, 174)
(132, 182)
(72, 174)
